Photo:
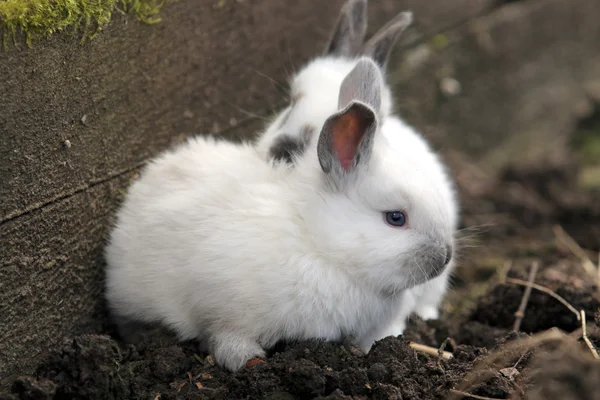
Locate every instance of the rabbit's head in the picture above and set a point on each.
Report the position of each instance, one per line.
(314, 88)
(383, 208)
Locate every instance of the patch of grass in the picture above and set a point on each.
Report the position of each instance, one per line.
(39, 18)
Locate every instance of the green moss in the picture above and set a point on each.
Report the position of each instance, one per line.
(38, 18)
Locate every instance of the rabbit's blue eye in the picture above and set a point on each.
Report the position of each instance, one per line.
(395, 218)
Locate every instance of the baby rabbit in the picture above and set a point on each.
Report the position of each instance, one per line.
(314, 91)
(219, 245)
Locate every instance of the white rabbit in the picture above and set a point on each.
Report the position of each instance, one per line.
(314, 91)
(219, 245)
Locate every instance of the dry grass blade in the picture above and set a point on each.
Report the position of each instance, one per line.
(572, 245)
(443, 346)
(520, 314)
(547, 291)
(587, 340)
(512, 350)
(445, 355)
(506, 267)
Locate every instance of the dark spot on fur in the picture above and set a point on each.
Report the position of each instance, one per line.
(286, 148)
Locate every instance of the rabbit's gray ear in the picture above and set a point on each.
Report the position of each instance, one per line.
(346, 140)
(350, 29)
(364, 83)
(379, 47)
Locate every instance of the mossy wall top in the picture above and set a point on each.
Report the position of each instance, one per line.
(38, 18)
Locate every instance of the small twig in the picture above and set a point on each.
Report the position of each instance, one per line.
(547, 291)
(445, 355)
(521, 357)
(440, 352)
(505, 270)
(572, 245)
(520, 314)
(470, 396)
(585, 337)
(443, 346)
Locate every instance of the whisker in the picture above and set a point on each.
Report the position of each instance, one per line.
(288, 75)
(278, 85)
(290, 58)
(248, 113)
(473, 230)
(472, 227)
(419, 266)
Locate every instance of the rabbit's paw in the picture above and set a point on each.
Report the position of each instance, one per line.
(427, 312)
(232, 350)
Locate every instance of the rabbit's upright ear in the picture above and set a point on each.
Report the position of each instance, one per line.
(350, 29)
(379, 47)
(346, 140)
(363, 83)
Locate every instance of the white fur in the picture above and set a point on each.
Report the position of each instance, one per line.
(316, 88)
(219, 245)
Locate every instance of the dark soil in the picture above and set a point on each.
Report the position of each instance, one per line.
(489, 359)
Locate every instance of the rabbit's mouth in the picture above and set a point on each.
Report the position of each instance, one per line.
(431, 264)
(435, 271)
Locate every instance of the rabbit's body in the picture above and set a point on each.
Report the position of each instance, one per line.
(221, 246)
(221, 243)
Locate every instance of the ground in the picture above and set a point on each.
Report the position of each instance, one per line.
(525, 217)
